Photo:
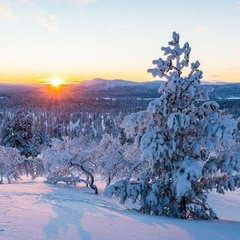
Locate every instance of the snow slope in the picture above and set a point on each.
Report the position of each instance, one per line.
(35, 210)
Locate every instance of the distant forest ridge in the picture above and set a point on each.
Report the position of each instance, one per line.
(99, 95)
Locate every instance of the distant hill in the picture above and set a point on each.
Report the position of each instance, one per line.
(105, 95)
(125, 89)
(103, 84)
(119, 87)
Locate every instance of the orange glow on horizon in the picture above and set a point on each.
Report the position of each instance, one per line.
(52, 92)
(68, 79)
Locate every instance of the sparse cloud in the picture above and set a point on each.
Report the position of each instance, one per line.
(82, 2)
(7, 12)
(214, 76)
(233, 69)
(48, 21)
(28, 2)
(200, 29)
(237, 6)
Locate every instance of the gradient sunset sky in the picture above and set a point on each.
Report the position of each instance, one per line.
(114, 39)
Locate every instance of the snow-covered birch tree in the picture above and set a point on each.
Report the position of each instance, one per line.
(66, 161)
(13, 165)
(115, 160)
(185, 142)
(8, 160)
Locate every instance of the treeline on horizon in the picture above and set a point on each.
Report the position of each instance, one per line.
(91, 113)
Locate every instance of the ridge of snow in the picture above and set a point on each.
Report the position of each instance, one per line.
(48, 212)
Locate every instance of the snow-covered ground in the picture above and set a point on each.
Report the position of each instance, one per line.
(35, 210)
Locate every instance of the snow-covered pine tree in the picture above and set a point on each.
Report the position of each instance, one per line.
(18, 133)
(185, 142)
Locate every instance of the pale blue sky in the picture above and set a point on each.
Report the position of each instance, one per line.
(85, 39)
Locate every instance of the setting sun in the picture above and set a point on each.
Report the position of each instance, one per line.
(56, 81)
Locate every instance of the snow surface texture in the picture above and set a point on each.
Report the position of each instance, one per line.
(35, 210)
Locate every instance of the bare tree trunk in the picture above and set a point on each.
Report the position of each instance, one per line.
(92, 185)
(89, 175)
(8, 177)
(87, 185)
(108, 180)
